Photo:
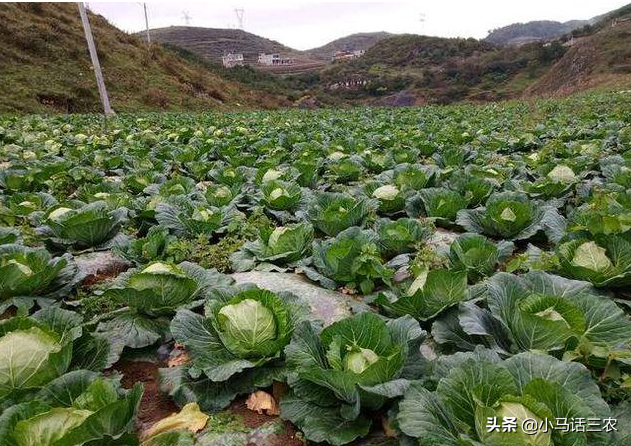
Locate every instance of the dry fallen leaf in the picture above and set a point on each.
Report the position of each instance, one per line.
(190, 417)
(261, 402)
(180, 359)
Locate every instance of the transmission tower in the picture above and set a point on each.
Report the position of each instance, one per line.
(187, 17)
(422, 18)
(240, 12)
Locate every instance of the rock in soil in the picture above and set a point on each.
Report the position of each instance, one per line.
(326, 305)
(99, 266)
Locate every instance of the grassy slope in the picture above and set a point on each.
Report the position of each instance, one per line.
(45, 67)
(599, 60)
(539, 29)
(212, 43)
(359, 41)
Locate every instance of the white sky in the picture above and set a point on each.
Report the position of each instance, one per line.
(303, 24)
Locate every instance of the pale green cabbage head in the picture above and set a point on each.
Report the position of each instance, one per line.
(562, 174)
(387, 192)
(58, 213)
(271, 175)
(591, 256)
(248, 323)
(359, 360)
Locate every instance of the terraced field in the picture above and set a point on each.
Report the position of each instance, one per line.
(436, 276)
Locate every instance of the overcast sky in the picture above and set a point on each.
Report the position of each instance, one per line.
(307, 24)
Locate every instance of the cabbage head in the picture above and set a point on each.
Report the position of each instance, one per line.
(275, 248)
(331, 213)
(428, 295)
(439, 204)
(281, 196)
(400, 236)
(236, 346)
(513, 216)
(477, 386)
(190, 219)
(27, 274)
(389, 197)
(547, 313)
(477, 255)
(352, 259)
(93, 225)
(79, 407)
(220, 195)
(37, 349)
(151, 295)
(352, 366)
(558, 182)
(604, 261)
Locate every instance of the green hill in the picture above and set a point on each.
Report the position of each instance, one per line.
(212, 43)
(45, 67)
(520, 33)
(359, 41)
(412, 69)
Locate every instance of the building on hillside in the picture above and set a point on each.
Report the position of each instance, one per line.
(232, 60)
(618, 21)
(274, 60)
(347, 55)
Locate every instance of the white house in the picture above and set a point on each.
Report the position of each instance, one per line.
(232, 60)
(274, 59)
(347, 55)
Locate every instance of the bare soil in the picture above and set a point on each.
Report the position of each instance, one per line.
(8, 314)
(154, 405)
(95, 279)
(253, 420)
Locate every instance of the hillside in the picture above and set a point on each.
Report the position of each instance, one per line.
(434, 69)
(599, 59)
(520, 33)
(45, 68)
(541, 30)
(212, 43)
(359, 41)
(412, 69)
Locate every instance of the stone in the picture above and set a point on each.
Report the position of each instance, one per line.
(326, 305)
(442, 239)
(100, 263)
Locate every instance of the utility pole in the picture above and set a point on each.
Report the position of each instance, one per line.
(187, 18)
(240, 13)
(95, 61)
(144, 5)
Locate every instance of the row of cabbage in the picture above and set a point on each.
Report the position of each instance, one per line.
(526, 305)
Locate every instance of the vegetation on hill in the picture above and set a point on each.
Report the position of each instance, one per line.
(213, 43)
(599, 59)
(519, 33)
(45, 68)
(358, 41)
(441, 70)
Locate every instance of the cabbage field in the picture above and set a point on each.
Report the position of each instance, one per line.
(436, 276)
